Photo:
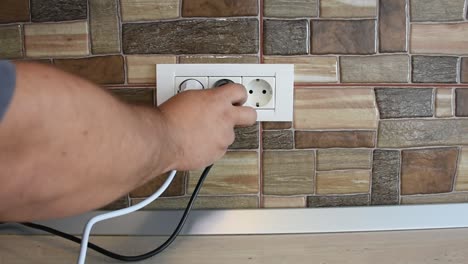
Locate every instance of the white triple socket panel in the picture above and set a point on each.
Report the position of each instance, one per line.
(270, 87)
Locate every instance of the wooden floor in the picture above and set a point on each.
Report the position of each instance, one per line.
(409, 247)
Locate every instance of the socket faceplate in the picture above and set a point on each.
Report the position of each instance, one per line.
(279, 76)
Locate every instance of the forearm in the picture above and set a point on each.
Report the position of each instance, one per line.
(67, 146)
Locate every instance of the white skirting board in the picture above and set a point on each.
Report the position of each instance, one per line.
(269, 221)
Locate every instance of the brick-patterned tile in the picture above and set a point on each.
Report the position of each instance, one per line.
(343, 159)
(276, 125)
(426, 38)
(142, 69)
(246, 138)
(404, 102)
(176, 188)
(203, 202)
(218, 59)
(58, 10)
(444, 103)
(309, 69)
(11, 42)
(278, 139)
(385, 177)
(372, 69)
(437, 10)
(440, 198)
(284, 201)
(143, 10)
(426, 171)
(284, 8)
(348, 9)
(14, 11)
(392, 25)
(104, 26)
(334, 139)
(461, 183)
(285, 37)
(216, 8)
(142, 96)
(464, 70)
(461, 99)
(343, 182)
(437, 69)
(338, 200)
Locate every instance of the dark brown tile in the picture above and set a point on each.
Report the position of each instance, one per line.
(14, 11)
(392, 25)
(334, 139)
(246, 138)
(207, 36)
(276, 125)
(280, 139)
(426, 171)
(177, 187)
(104, 26)
(434, 69)
(142, 96)
(120, 203)
(461, 102)
(101, 70)
(285, 37)
(11, 42)
(58, 10)
(385, 177)
(338, 200)
(404, 102)
(343, 37)
(464, 69)
(216, 8)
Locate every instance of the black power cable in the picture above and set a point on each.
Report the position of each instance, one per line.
(141, 257)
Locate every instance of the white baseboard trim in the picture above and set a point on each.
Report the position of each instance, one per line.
(269, 221)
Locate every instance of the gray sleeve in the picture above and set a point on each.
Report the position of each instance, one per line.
(7, 85)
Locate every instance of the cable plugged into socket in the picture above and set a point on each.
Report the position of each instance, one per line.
(261, 92)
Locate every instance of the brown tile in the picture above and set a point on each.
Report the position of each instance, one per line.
(284, 8)
(176, 188)
(279, 139)
(57, 40)
(284, 201)
(101, 70)
(309, 69)
(343, 159)
(288, 172)
(334, 139)
(343, 37)
(392, 25)
(192, 36)
(104, 26)
(461, 183)
(216, 8)
(437, 10)
(285, 37)
(330, 108)
(14, 11)
(276, 125)
(142, 69)
(440, 198)
(203, 202)
(385, 188)
(425, 171)
(338, 200)
(419, 133)
(218, 59)
(434, 69)
(343, 182)
(58, 10)
(443, 105)
(377, 69)
(425, 38)
(143, 10)
(246, 138)
(404, 102)
(11, 42)
(464, 70)
(235, 173)
(120, 203)
(461, 100)
(348, 9)
(142, 96)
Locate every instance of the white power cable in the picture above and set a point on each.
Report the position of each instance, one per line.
(128, 210)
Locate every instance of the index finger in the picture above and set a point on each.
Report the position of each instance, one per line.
(236, 93)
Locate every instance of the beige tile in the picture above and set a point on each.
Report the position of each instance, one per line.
(442, 198)
(235, 173)
(104, 26)
(141, 10)
(426, 38)
(348, 8)
(218, 59)
(309, 69)
(330, 108)
(461, 183)
(11, 42)
(288, 172)
(343, 159)
(290, 8)
(284, 201)
(57, 40)
(203, 202)
(142, 69)
(343, 182)
(444, 99)
(369, 69)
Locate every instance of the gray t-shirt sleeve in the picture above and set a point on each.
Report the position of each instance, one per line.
(7, 85)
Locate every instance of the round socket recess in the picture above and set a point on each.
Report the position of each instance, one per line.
(260, 93)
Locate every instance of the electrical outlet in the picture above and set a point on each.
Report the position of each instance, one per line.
(270, 87)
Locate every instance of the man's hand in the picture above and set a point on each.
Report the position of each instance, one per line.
(201, 124)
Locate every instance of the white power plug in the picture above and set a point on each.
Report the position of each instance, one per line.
(270, 87)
